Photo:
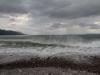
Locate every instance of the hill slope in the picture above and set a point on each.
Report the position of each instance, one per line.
(9, 32)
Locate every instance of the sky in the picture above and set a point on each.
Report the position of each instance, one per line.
(51, 17)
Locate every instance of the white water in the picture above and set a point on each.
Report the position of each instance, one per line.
(74, 48)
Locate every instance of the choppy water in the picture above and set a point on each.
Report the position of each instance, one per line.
(51, 45)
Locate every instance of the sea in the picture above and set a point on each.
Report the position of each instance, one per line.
(75, 47)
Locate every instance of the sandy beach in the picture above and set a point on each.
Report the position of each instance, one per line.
(43, 71)
(35, 65)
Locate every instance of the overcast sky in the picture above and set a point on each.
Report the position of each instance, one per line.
(50, 16)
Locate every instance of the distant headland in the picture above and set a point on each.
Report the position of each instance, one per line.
(9, 32)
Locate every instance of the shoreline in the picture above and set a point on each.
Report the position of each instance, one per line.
(57, 62)
(44, 71)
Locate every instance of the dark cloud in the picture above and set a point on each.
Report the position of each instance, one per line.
(66, 8)
(12, 6)
(53, 8)
(12, 9)
(52, 16)
(43, 6)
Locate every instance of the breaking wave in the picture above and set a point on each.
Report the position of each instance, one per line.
(51, 41)
(51, 44)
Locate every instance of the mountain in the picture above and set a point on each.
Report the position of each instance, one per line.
(9, 32)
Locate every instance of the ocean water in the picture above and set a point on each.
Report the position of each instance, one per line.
(74, 47)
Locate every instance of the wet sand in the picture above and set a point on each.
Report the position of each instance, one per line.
(35, 65)
(43, 71)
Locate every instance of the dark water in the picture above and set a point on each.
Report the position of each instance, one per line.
(69, 46)
(50, 40)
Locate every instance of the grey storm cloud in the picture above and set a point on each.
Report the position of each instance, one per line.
(11, 9)
(12, 6)
(66, 8)
(53, 8)
(51, 16)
